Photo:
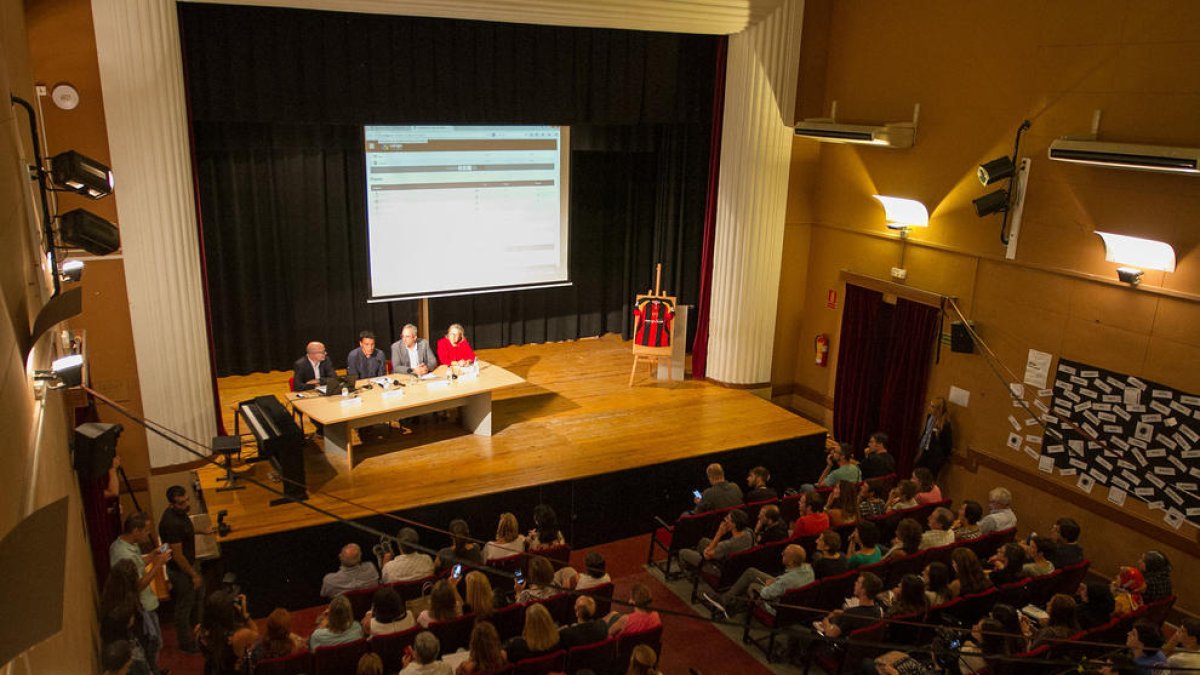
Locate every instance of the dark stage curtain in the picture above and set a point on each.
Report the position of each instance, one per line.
(860, 366)
(277, 100)
(913, 334)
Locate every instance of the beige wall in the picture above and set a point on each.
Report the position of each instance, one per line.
(34, 452)
(978, 69)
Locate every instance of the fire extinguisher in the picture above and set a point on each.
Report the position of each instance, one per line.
(822, 345)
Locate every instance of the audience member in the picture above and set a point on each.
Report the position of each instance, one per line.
(587, 629)
(1059, 625)
(423, 660)
(444, 604)
(369, 664)
(927, 491)
(545, 532)
(937, 438)
(540, 636)
(829, 561)
(117, 657)
(594, 574)
(411, 564)
(735, 524)
(754, 583)
(937, 583)
(485, 655)
(1000, 515)
(865, 610)
(864, 546)
(870, 498)
(1156, 570)
(842, 506)
(1038, 550)
(1096, 604)
(353, 573)
(720, 493)
(279, 641)
(877, 461)
(813, 519)
(481, 600)
(909, 597)
(966, 527)
(838, 467)
(461, 548)
(643, 661)
(1127, 591)
(1065, 535)
(939, 532)
(136, 532)
(757, 481)
(641, 618)
(1007, 564)
(388, 614)
(903, 496)
(1183, 649)
(122, 616)
(987, 642)
(540, 584)
(365, 361)
(227, 634)
(1145, 641)
(336, 625)
(770, 526)
(968, 571)
(509, 540)
(1010, 618)
(907, 541)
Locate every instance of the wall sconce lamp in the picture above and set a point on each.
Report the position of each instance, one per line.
(64, 373)
(902, 214)
(1135, 253)
(71, 270)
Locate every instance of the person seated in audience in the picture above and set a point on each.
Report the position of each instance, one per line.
(117, 657)
(756, 584)
(987, 642)
(870, 498)
(864, 546)
(839, 467)
(587, 629)
(1156, 570)
(1000, 515)
(539, 637)
(388, 614)
(903, 496)
(937, 583)
(927, 491)
(1145, 641)
(1183, 649)
(770, 526)
(353, 573)
(968, 572)
(1095, 604)
(966, 527)
(641, 618)
(842, 506)
(411, 564)
(369, 664)
(757, 481)
(444, 604)
(454, 350)
(909, 597)
(365, 361)
(865, 610)
(412, 355)
(720, 493)
(485, 654)
(540, 584)
(279, 641)
(813, 519)
(1065, 535)
(1127, 591)
(594, 574)
(939, 532)
(643, 661)
(124, 617)
(480, 599)
(1007, 563)
(907, 540)
(877, 461)
(310, 369)
(545, 532)
(461, 548)
(509, 540)
(227, 634)
(828, 560)
(736, 526)
(1010, 618)
(1059, 625)
(335, 625)
(1038, 550)
(423, 659)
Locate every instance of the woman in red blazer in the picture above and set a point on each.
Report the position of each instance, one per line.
(453, 350)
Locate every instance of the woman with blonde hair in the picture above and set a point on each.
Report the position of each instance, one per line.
(540, 636)
(508, 541)
(454, 350)
(480, 598)
(486, 655)
(643, 661)
(370, 664)
(937, 437)
(336, 625)
(444, 604)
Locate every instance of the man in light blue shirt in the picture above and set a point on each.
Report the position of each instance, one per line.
(128, 546)
(1001, 516)
(756, 583)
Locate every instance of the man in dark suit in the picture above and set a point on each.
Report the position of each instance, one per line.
(310, 369)
(411, 354)
(587, 629)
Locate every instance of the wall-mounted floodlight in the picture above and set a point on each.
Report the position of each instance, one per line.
(79, 228)
(71, 270)
(1135, 254)
(64, 373)
(902, 213)
(996, 170)
(81, 174)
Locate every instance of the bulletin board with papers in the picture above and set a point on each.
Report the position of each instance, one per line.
(1127, 437)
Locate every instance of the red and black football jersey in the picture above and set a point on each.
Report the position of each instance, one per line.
(654, 317)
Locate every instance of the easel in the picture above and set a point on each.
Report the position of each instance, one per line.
(653, 355)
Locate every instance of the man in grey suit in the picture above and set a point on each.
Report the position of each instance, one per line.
(411, 354)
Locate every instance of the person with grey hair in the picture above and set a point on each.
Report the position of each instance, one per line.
(939, 532)
(454, 350)
(353, 573)
(1001, 516)
(411, 564)
(424, 657)
(411, 354)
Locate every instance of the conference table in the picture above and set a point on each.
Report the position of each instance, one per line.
(471, 391)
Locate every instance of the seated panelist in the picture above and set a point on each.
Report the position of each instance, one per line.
(411, 354)
(310, 369)
(454, 350)
(364, 361)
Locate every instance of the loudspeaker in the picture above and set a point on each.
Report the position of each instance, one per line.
(95, 445)
(960, 338)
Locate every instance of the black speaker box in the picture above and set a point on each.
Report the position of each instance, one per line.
(960, 339)
(95, 445)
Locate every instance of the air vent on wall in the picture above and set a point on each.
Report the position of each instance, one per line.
(1127, 156)
(888, 135)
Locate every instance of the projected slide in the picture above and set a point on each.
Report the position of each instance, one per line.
(465, 209)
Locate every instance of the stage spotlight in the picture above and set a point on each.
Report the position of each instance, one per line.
(996, 170)
(64, 372)
(992, 202)
(72, 270)
(1129, 275)
(82, 229)
(81, 174)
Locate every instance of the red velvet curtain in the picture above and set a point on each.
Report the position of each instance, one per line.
(859, 369)
(913, 334)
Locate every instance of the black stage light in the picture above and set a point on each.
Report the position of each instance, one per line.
(83, 229)
(81, 174)
(992, 202)
(996, 170)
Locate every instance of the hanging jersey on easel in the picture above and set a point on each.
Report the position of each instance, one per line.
(654, 317)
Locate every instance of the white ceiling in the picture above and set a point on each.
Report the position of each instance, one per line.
(714, 17)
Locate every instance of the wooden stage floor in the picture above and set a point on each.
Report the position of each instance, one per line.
(575, 417)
